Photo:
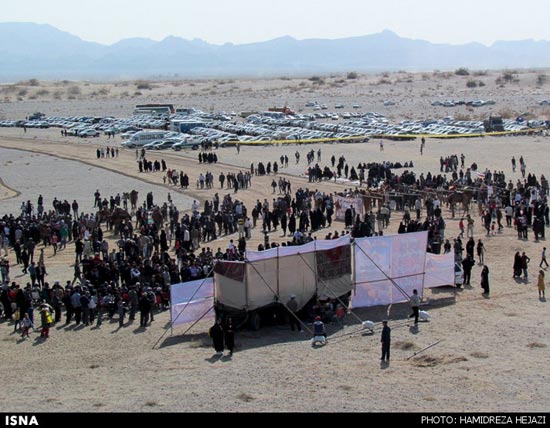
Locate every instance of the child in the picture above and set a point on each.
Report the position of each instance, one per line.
(493, 233)
(17, 319)
(27, 324)
(46, 319)
(461, 227)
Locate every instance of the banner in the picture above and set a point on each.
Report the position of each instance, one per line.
(439, 270)
(341, 204)
(190, 300)
(388, 268)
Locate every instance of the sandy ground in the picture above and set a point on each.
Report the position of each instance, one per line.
(491, 357)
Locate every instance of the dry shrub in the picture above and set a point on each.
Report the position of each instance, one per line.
(507, 113)
(74, 90)
(404, 345)
(143, 85)
(534, 345)
(478, 73)
(478, 354)
(247, 398)
(462, 116)
(462, 71)
(427, 361)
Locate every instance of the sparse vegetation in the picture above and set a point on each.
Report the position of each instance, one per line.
(314, 79)
(533, 345)
(471, 84)
(22, 93)
(462, 71)
(144, 85)
(351, 75)
(509, 76)
(384, 81)
(462, 116)
(74, 90)
(42, 92)
(507, 113)
(542, 79)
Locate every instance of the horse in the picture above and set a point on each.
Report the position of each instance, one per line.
(112, 218)
(464, 197)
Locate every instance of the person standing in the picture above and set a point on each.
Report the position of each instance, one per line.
(470, 245)
(27, 325)
(415, 304)
(543, 258)
(480, 251)
(540, 284)
(216, 333)
(229, 336)
(485, 280)
(292, 306)
(46, 319)
(524, 264)
(144, 310)
(470, 230)
(467, 265)
(386, 341)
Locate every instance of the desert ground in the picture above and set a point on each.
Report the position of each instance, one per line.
(491, 354)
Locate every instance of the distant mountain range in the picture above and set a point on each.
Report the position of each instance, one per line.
(41, 51)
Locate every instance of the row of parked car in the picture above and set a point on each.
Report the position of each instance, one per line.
(473, 103)
(212, 128)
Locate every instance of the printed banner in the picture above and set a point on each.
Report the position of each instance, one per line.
(341, 204)
(190, 300)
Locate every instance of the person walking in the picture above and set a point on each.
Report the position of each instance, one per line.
(485, 280)
(543, 258)
(292, 306)
(216, 333)
(415, 304)
(386, 341)
(540, 284)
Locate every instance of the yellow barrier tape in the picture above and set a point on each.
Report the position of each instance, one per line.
(382, 136)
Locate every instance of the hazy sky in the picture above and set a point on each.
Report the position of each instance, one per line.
(242, 21)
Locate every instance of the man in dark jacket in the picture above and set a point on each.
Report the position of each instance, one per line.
(467, 265)
(144, 309)
(386, 340)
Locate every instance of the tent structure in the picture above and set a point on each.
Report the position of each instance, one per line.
(377, 271)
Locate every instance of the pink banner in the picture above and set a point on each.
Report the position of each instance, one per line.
(439, 270)
(388, 268)
(190, 300)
